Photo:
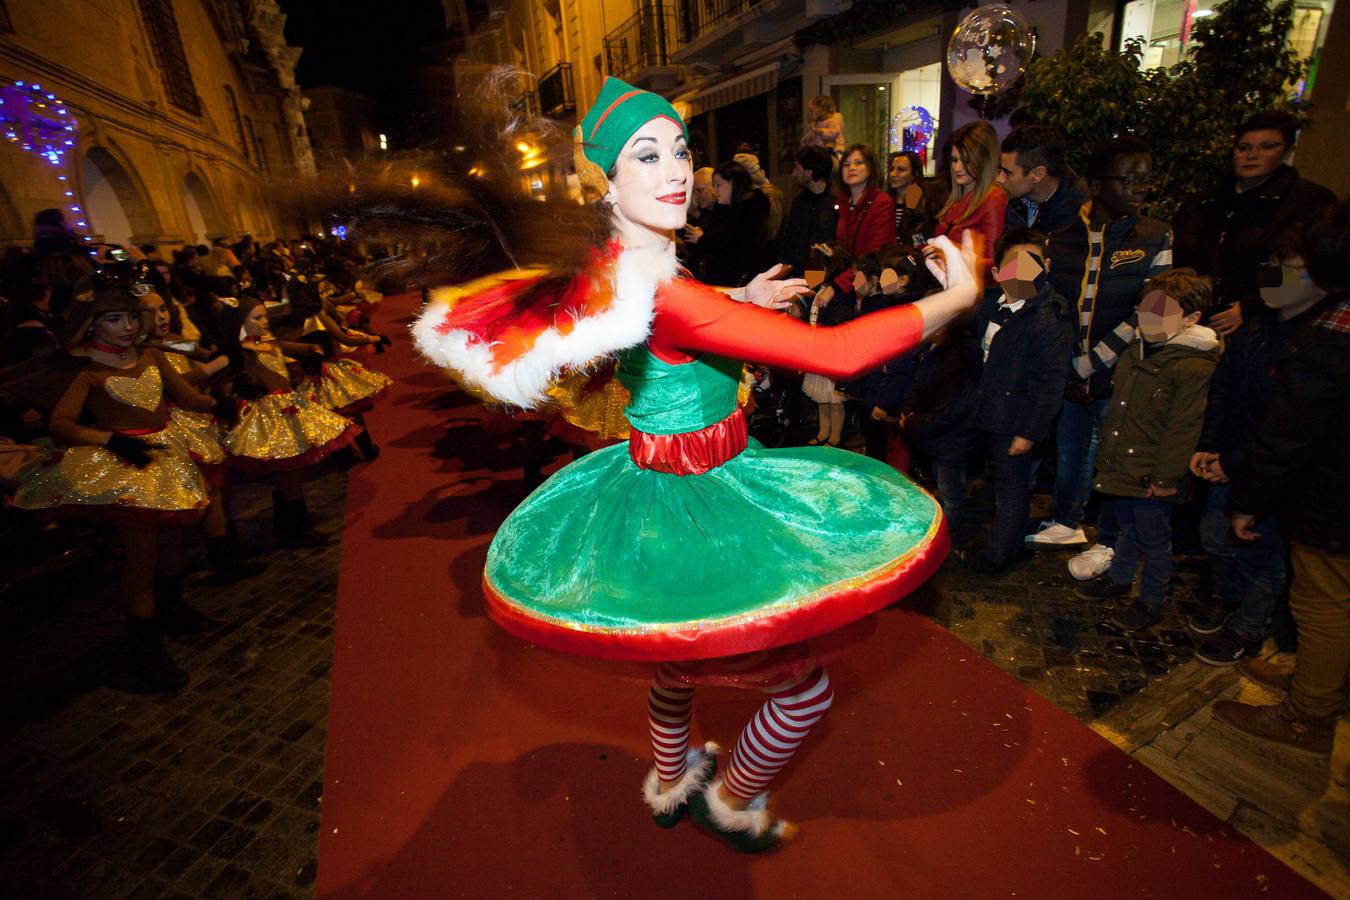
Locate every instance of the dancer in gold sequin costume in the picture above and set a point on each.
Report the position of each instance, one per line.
(132, 467)
(162, 323)
(280, 430)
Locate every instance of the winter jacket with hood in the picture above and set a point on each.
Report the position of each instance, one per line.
(1155, 415)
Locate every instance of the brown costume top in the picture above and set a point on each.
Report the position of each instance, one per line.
(122, 399)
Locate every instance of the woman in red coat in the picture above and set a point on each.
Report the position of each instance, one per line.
(866, 223)
(976, 203)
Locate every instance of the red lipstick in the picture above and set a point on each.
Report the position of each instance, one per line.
(674, 199)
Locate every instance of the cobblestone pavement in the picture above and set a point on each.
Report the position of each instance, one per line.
(215, 791)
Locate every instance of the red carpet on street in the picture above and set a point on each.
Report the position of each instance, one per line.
(463, 762)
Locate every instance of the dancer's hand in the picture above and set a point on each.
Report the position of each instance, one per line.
(131, 449)
(771, 292)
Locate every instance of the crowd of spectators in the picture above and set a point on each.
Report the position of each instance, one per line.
(1155, 371)
(1153, 376)
(201, 317)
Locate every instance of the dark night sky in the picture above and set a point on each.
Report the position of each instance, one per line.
(363, 45)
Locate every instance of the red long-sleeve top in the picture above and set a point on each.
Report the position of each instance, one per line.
(986, 220)
(869, 225)
(693, 318)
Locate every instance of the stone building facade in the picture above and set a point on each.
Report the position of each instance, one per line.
(186, 114)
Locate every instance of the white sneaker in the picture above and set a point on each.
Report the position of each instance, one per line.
(1053, 534)
(1092, 562)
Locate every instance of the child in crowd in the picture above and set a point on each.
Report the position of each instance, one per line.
(1153, 422)
(1025, 337)
(1248, 576)
(891, 276)
(826, 128)
(935, 417)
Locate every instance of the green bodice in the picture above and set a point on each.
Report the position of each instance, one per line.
(672, 399)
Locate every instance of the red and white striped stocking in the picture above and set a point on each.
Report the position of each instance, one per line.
(670, 706)
(773, 735)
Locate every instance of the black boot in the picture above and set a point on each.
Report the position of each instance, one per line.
(227, 560)
(172, 613)
(297, 530)
(147, 659)
(368, 449)
(346, 459)
(278, 512)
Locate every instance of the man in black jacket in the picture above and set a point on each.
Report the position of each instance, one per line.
(1043, 192)
(1227, 235)
(1297, 468)
(1101, 264)
(1024, 332)
(814, 213)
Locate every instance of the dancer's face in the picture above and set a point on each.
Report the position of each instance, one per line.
(116, 329)
(156, 314)
(652, 182)
(256, 323)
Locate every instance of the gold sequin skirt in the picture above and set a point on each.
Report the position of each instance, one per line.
(346, 386)
(95, 481)
(286, 431)
(199, 434)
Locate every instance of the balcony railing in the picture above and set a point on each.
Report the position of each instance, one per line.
(555, 91)
(642, 42)
(698, 17)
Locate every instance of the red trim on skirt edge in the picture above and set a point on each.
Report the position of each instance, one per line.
(821, 617)
(308, 458)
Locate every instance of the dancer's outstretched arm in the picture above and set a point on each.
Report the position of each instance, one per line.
(694, 318)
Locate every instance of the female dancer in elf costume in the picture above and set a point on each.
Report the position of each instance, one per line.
(279, 430)
(690, 545)
(198, 369)
(133, 467)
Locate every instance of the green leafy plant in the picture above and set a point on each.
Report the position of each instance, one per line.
(1238, 63)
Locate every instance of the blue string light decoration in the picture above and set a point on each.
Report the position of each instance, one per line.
(912, 129)
(39, 123)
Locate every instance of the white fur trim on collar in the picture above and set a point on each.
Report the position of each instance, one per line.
(524, 381)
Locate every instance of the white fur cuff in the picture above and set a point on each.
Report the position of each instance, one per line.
(698, 766)
(754, 820)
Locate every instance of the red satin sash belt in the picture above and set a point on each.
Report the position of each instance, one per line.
(691, 452)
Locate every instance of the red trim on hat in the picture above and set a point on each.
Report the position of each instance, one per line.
(609, 109)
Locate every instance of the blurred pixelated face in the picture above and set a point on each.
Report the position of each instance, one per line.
(1017, 182)
(902, 173)
(116, 329)
(1018, 271)
(1257, 154)
(156, 314)
(653, 179)
(1160, 317)
(891, 281)
(1286, 283)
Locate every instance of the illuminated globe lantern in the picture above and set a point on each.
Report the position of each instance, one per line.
(990, 49)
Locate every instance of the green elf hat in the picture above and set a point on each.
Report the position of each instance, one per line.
(620, 110)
